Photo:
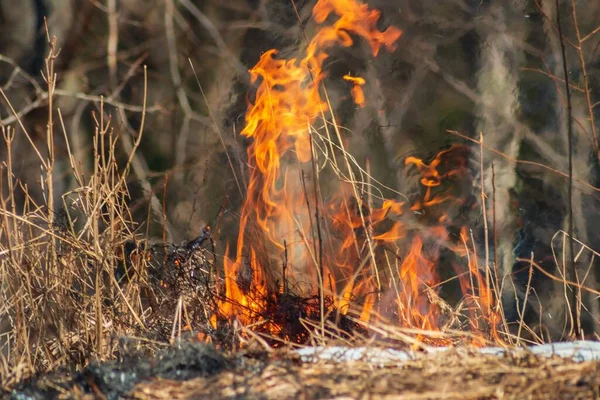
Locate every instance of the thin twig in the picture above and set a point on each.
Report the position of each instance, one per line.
(484, 212)
(525, 162)
(574, 295)
(216, 126)
(319, 234)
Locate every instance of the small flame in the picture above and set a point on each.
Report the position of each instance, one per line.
(417, 274)
(357, 93)
(245, 305)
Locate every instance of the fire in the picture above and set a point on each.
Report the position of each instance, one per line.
(357, 93)
(289, 234)
(288, 101)
(248, 304)
(417, 274)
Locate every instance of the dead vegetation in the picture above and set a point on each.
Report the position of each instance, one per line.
(86, 280)
(196, 371)
(459, 374)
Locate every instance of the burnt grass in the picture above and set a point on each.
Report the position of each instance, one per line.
(197, 370)
(114, 379)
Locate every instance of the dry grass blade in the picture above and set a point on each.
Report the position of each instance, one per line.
(62, 299)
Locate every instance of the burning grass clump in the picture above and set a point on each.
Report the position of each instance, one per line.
(79, 273)
(186, 295)
(289, 319)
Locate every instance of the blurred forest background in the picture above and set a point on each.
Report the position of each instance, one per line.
(434, 82)
(468, 66)
(103, 46)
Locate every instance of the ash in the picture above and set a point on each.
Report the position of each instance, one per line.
(114, 379)
(578, 351)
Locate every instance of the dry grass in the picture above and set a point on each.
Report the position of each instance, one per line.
(78, 274)
(77, 277)
(62, 302)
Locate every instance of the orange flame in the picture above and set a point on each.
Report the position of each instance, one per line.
(417, 274)
(288, 101)
(357, 93)
(277, 219)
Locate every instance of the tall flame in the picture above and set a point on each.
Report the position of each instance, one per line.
(276, 223)
(288, 101)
